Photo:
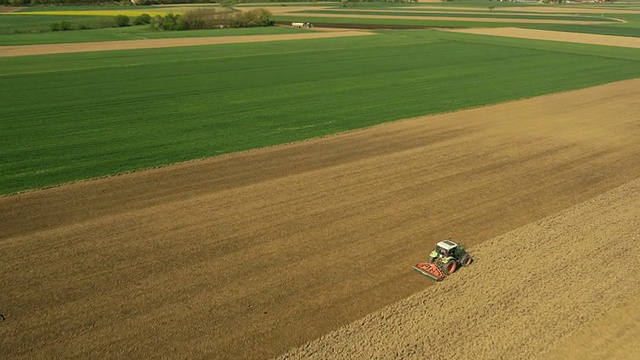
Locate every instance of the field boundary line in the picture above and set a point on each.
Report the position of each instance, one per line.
(47, 49)
(561, 36)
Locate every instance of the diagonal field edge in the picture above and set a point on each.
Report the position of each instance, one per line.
(43, 49)
(591, 39)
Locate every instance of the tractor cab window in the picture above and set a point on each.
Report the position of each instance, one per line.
(443, 251)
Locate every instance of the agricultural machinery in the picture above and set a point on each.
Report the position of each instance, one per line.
(444, 260)
(301, 25)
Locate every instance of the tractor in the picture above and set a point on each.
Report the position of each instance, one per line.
(444, 260)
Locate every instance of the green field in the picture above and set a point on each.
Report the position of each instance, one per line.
(129, 33)
(462, 15)
(24, 28)
(630, 27)
(68, 117)
(16, 24)
(614, 30)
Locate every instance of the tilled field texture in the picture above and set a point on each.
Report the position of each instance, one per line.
(599, 10)
(252, 254)
(614, 335)
(475, 14)
(7, 9)
(22, 50)
(562, 287)
(593, 39)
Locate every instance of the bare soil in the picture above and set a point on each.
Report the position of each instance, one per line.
(23, 50)
(547, 9)
(613, 335)
(593, 39)
(559, 288)
(323, 31)
(309, 16)
(291, 10)
(8, 9)
(571, 10)
(252, 254)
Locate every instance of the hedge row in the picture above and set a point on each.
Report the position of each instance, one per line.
(129, 2)
(199, 19)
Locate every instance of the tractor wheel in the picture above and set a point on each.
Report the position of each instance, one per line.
(449, 267)
(466, 260)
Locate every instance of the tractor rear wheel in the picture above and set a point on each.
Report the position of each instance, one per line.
(466, 260)
(449, 267)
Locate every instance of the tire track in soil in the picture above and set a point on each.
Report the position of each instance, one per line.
(251, 254)
(568, 278)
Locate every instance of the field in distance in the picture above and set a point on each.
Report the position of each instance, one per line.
(114, 112)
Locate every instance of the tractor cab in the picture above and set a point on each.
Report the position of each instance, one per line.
(445, 248)
(444, 260)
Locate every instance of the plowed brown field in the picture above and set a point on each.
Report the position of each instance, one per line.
(594, 39)
(560, 288)
(23, 50)
(7, 9)
(249, 255)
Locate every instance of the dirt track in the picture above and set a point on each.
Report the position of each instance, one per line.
(615, 334)
(622, 41)
(248, 255)
(23, 50)
(529, 291)
(8, 9)
(546, 9)
(337, 14)
(292, 11)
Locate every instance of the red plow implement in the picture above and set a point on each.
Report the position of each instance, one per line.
(430, 270)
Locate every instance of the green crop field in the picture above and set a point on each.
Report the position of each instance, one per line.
(68, 117)
(11, 24)
(462, 15)
(130, 33)
(622, 24)
(614, 30)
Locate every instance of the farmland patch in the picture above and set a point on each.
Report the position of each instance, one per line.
(212, 100)
(233, 257)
